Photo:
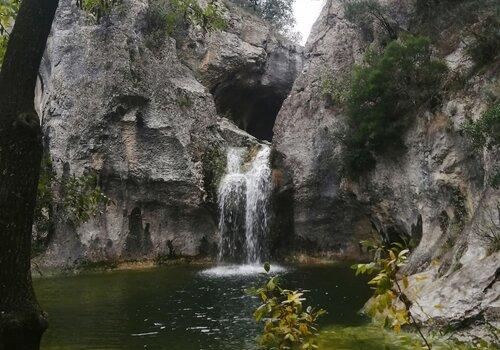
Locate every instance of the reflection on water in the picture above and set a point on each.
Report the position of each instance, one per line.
(182, 307)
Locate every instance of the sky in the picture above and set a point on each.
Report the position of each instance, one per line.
(306, 12)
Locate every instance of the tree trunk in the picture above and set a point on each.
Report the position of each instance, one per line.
(22, 321)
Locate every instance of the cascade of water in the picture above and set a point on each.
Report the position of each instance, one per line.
(244, 207)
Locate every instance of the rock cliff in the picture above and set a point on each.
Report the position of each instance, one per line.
(143, 117)
(437, 192)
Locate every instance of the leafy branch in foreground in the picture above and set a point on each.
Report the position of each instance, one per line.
(8, 13)
(389, 303)
(287, 324)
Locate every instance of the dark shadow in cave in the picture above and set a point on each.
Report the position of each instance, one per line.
(253, 109)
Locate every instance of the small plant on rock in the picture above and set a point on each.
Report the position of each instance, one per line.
(97, 9)
(82, 197)
(489, 231)
(389, 304)
(287, 325)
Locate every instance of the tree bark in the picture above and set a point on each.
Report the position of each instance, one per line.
(22, 321)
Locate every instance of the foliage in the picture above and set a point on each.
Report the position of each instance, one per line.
(214, 167)
(184, 102)
(384, 92)
(485, 46)
(287, 324)
(365, 13)
(79, 197)
(174, 17)
(82, 197)
(484, 132)
(97, 9)
(45, 199)
(489, 231)
(437, 18)
(8, 13)
(277, 12)
(494, 180)
(389, 303)
(337, 88)
(209, 18)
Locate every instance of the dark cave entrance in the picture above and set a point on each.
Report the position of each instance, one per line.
(253, 109)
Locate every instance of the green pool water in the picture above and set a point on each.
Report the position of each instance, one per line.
(186, 308)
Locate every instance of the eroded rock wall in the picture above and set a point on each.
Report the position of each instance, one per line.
(141, 118)
(437, 192)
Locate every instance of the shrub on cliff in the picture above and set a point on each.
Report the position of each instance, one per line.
(385, 91)
(79, 197)
(484, 132)
(277, 12)
(174, 17)
(366, 13)
(485, 45)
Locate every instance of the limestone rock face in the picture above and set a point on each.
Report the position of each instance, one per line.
(324, 213)
(248, 68)
(437, 192)
(139, 118)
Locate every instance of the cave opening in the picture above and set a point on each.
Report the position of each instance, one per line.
(253, 109)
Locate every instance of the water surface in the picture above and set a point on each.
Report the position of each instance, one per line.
(181, 307)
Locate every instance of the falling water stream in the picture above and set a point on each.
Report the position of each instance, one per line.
(243, 196)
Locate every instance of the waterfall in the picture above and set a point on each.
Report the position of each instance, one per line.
(243, 198)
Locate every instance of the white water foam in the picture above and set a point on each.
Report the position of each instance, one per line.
(240, 270)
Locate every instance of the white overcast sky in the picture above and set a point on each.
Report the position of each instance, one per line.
(306, 13)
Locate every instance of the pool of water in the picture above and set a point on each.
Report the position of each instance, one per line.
(181, 307)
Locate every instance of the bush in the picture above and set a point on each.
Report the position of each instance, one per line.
(383, 94)
(366, 13)
(484, 132)
(438, 18)
(82, 197)
(287, 324)
(97, 9)
(279, 13)
(494, 180)
(174, 17)
(488, 232)
(485, 46)
(214, 162)
(337, 88)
